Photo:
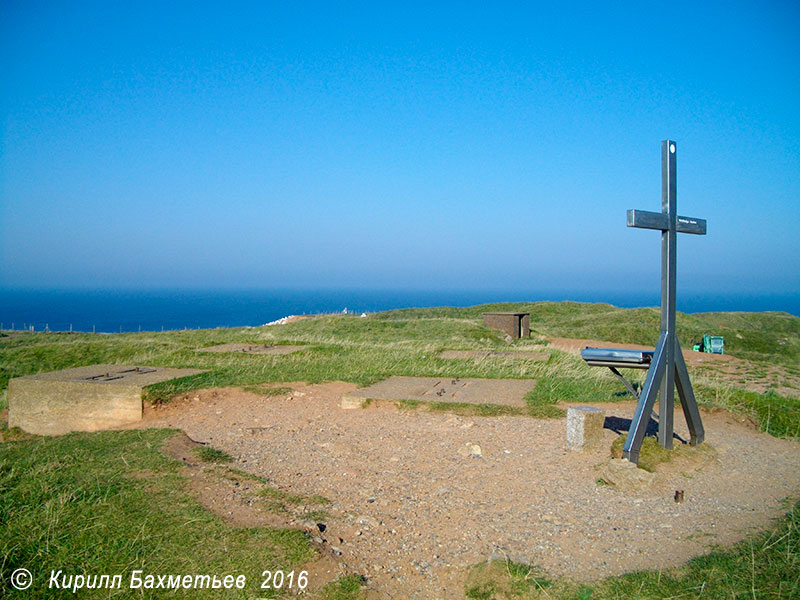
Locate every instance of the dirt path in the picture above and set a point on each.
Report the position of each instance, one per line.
(412, 511)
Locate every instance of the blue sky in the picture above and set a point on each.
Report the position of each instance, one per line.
(402, 145)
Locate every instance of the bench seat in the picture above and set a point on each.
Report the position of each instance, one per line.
(617, 357)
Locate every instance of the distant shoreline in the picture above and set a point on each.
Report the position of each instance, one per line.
(115, 311)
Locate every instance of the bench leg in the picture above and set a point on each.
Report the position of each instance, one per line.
(625, 382)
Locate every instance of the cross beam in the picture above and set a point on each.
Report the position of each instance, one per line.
(667, 368)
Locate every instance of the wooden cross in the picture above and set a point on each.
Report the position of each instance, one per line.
(668, 367)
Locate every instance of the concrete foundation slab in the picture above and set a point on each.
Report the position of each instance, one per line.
(508, 392)
(84, 398)
(252, 349)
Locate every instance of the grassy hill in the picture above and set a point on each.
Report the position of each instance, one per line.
(765, 387)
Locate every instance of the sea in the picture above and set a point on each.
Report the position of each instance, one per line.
(129, 310)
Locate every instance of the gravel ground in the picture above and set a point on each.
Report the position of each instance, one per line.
(414, 507)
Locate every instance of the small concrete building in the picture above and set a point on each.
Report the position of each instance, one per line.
(517, 325)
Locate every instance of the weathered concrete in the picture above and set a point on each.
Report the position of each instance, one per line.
(517, 325)
(516, 355)
(626, 476)
(508, 392)
(252, 349)
(349, 402)
(584, 427)
(84, 398)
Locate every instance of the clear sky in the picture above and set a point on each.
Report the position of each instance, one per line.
(396, 145)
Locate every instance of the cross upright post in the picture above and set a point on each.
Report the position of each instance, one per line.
(667, 368)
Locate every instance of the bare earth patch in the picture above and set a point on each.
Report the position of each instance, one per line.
(412, 512)
(241, 502)
(228, 497)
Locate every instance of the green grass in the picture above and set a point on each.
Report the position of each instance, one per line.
(111, 502)
(268, 392)
(505, 579)
(212, 455)
(278, 500)
(765, 566)
(407, 342)
(344, 588)
(769, 335)
(477, 410)
(774, 414)
(652, 454)
(275, 500)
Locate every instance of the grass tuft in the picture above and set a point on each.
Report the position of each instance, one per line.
(505, 579)
(268, 392)
(212, 455)
(652, 454)
(348, 587)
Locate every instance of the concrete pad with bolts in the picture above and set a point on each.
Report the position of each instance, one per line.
(516, 355)
(508, 392)
(252, 349)
(84, 398)
(584, 427)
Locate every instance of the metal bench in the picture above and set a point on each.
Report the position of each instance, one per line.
(618, 358)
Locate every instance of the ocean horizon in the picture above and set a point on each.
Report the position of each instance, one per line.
(129, 310)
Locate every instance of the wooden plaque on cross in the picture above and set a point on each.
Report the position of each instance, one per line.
(667, 368)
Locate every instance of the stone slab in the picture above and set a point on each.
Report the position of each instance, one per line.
(252, 349)
(83, 398)
(349, 402)
(516, 355)
(584, 427)
(508, 392)
(627, 476)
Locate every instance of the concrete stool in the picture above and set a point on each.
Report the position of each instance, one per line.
(584, 427)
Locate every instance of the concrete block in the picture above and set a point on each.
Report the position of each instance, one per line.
(84, 398)
(349, 402)
(584, 427)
